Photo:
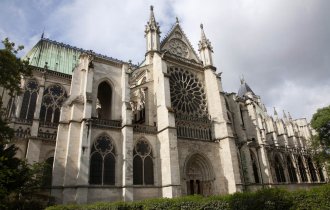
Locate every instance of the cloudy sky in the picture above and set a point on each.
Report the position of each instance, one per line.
(281, 47)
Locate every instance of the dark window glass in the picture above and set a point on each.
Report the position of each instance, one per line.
(148, 171)
(319, 168)
(103, 162)
(52, 101)
(292, 170)
(109, 169)
(137, 170)
(312, 170)
(255, 167)
(143, 169)
(29, 100)
(96, 169)
(279, 170)
(302, 170)
(47, 173)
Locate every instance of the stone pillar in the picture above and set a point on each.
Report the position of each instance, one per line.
(264, 165)
(127, 133)
(222, 132)
(33, 150)
(167, 136)
(20, 98)
(35, 123)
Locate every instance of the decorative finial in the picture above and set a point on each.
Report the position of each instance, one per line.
(201, 25)
(177, 20)
(275, 112)
(151, 8)
(43, 33)
(289, 115)
(284, 115)
(242, 79)
(204, 42)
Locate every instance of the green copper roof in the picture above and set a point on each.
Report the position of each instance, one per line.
(59, 57)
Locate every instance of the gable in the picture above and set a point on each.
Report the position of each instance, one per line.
(178, 44)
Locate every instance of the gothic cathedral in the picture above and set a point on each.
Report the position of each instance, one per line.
(164, 128)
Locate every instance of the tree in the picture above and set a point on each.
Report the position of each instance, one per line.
(18, 180)
(321, 141)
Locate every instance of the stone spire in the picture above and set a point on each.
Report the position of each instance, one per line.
(284, 115)
(152, 32)
(289, 115)
(205, 49)
(275, 113)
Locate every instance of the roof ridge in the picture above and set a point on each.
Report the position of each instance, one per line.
(83, 50)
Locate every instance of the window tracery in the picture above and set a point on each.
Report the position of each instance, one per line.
(178, 47)
(255, 167)
(52, 101)
(102, 162)
(143, 169)
(29, 100)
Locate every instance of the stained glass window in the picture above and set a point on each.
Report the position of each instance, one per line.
(143, 169)
(255, 167)
(29, 100)
(103, 162)
(292, 170)
(53, 98)
(302, 170)
(279, 171)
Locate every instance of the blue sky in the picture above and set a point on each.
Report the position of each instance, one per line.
(281, 47)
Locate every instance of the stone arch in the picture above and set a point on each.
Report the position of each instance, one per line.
(30, 95)
(104, 99)
(255, 166)
(199, 175)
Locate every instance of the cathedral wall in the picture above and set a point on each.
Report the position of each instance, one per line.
(210, 150)
(112, 75)
(107, 194)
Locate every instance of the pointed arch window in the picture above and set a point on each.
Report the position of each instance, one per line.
(255, 168)
(302, 170)
(143, 169)
(103, 162)
(47, 172)
(52, 101)
(279, 170)
(29, 100)
(11, 107)
(291, 170)
(104, 101)
(312, 170)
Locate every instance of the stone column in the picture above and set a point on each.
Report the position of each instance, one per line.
(222, 132)
(127, 133)
(33, 151)
(167, 136)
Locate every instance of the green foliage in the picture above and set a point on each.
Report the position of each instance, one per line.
(321, 142)
(11, 67)
(19, 181)
(267, 199)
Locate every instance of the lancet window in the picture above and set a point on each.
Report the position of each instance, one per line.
(143, 167)
(103, 161)
(52, 101)
(104, 101)
(302, 170)
(29, 100)
(312, 170)
(11, 107)
(255, 168)
(291, 170)
(279, 170)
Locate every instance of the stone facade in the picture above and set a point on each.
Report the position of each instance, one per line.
(164, 128)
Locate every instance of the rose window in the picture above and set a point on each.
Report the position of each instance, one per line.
(187, 93)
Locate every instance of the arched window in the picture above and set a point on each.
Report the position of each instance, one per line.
(29, 100)
(319, 168)
(254, 162)
(302, 170)
(53, 98)
(143, 167)
(104, 95)
(47, 173)
(103, 162)
(292, 170)
(11, 107)
(279, 171)
(312, 170)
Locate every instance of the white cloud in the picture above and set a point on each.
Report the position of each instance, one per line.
(282, 47)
